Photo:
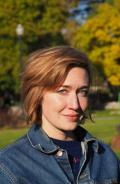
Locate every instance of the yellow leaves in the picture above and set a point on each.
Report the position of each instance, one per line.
(101, 35)
(100, 38)
(117, 3)
(114, 80)
(111, 66)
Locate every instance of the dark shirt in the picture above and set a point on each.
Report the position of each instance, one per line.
(73, 149)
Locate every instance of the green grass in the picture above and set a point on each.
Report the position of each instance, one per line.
(8, 136)
(104, 128)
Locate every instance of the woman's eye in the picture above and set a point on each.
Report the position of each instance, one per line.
(62, 91)
(83, 92)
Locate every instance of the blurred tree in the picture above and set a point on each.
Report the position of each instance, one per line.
(85, 9)
(42, 20)
(100, 38)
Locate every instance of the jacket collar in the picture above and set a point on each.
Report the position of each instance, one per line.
(86, 138)
(40, 141)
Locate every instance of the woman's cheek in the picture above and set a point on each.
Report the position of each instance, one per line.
(83, 103)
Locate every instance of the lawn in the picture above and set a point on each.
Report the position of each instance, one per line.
(8, 135)
(104, 128)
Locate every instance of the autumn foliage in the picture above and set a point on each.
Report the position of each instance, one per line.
(100, 38)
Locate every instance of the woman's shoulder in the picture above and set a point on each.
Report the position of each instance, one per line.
(99, 147)
(8, 160)
(13, 147)
(104, 147)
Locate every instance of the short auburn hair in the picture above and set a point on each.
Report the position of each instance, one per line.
(45, 70)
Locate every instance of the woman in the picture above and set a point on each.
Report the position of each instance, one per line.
(56, 150)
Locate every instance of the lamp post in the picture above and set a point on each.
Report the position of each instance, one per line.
(19, 32)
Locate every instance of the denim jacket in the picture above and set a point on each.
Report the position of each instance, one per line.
(35, 159)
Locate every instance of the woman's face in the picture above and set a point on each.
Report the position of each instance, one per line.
(63, 107)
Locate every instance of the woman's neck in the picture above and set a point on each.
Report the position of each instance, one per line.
(60, 134)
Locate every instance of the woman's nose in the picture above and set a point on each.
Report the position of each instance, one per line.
(74, 102)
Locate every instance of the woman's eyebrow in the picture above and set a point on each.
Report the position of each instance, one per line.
(81, 87)
(84, 87)
(65, 86)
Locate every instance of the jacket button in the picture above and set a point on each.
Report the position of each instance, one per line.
(59, 153)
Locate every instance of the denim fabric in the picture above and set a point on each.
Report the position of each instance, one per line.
(35, 159)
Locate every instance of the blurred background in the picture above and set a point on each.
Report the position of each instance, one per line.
(90, 25)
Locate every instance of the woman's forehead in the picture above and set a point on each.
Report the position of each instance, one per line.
(76, 76)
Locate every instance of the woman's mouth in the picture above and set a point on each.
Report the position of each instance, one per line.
(72, 117)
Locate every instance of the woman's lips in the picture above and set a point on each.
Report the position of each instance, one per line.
(72, 117)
